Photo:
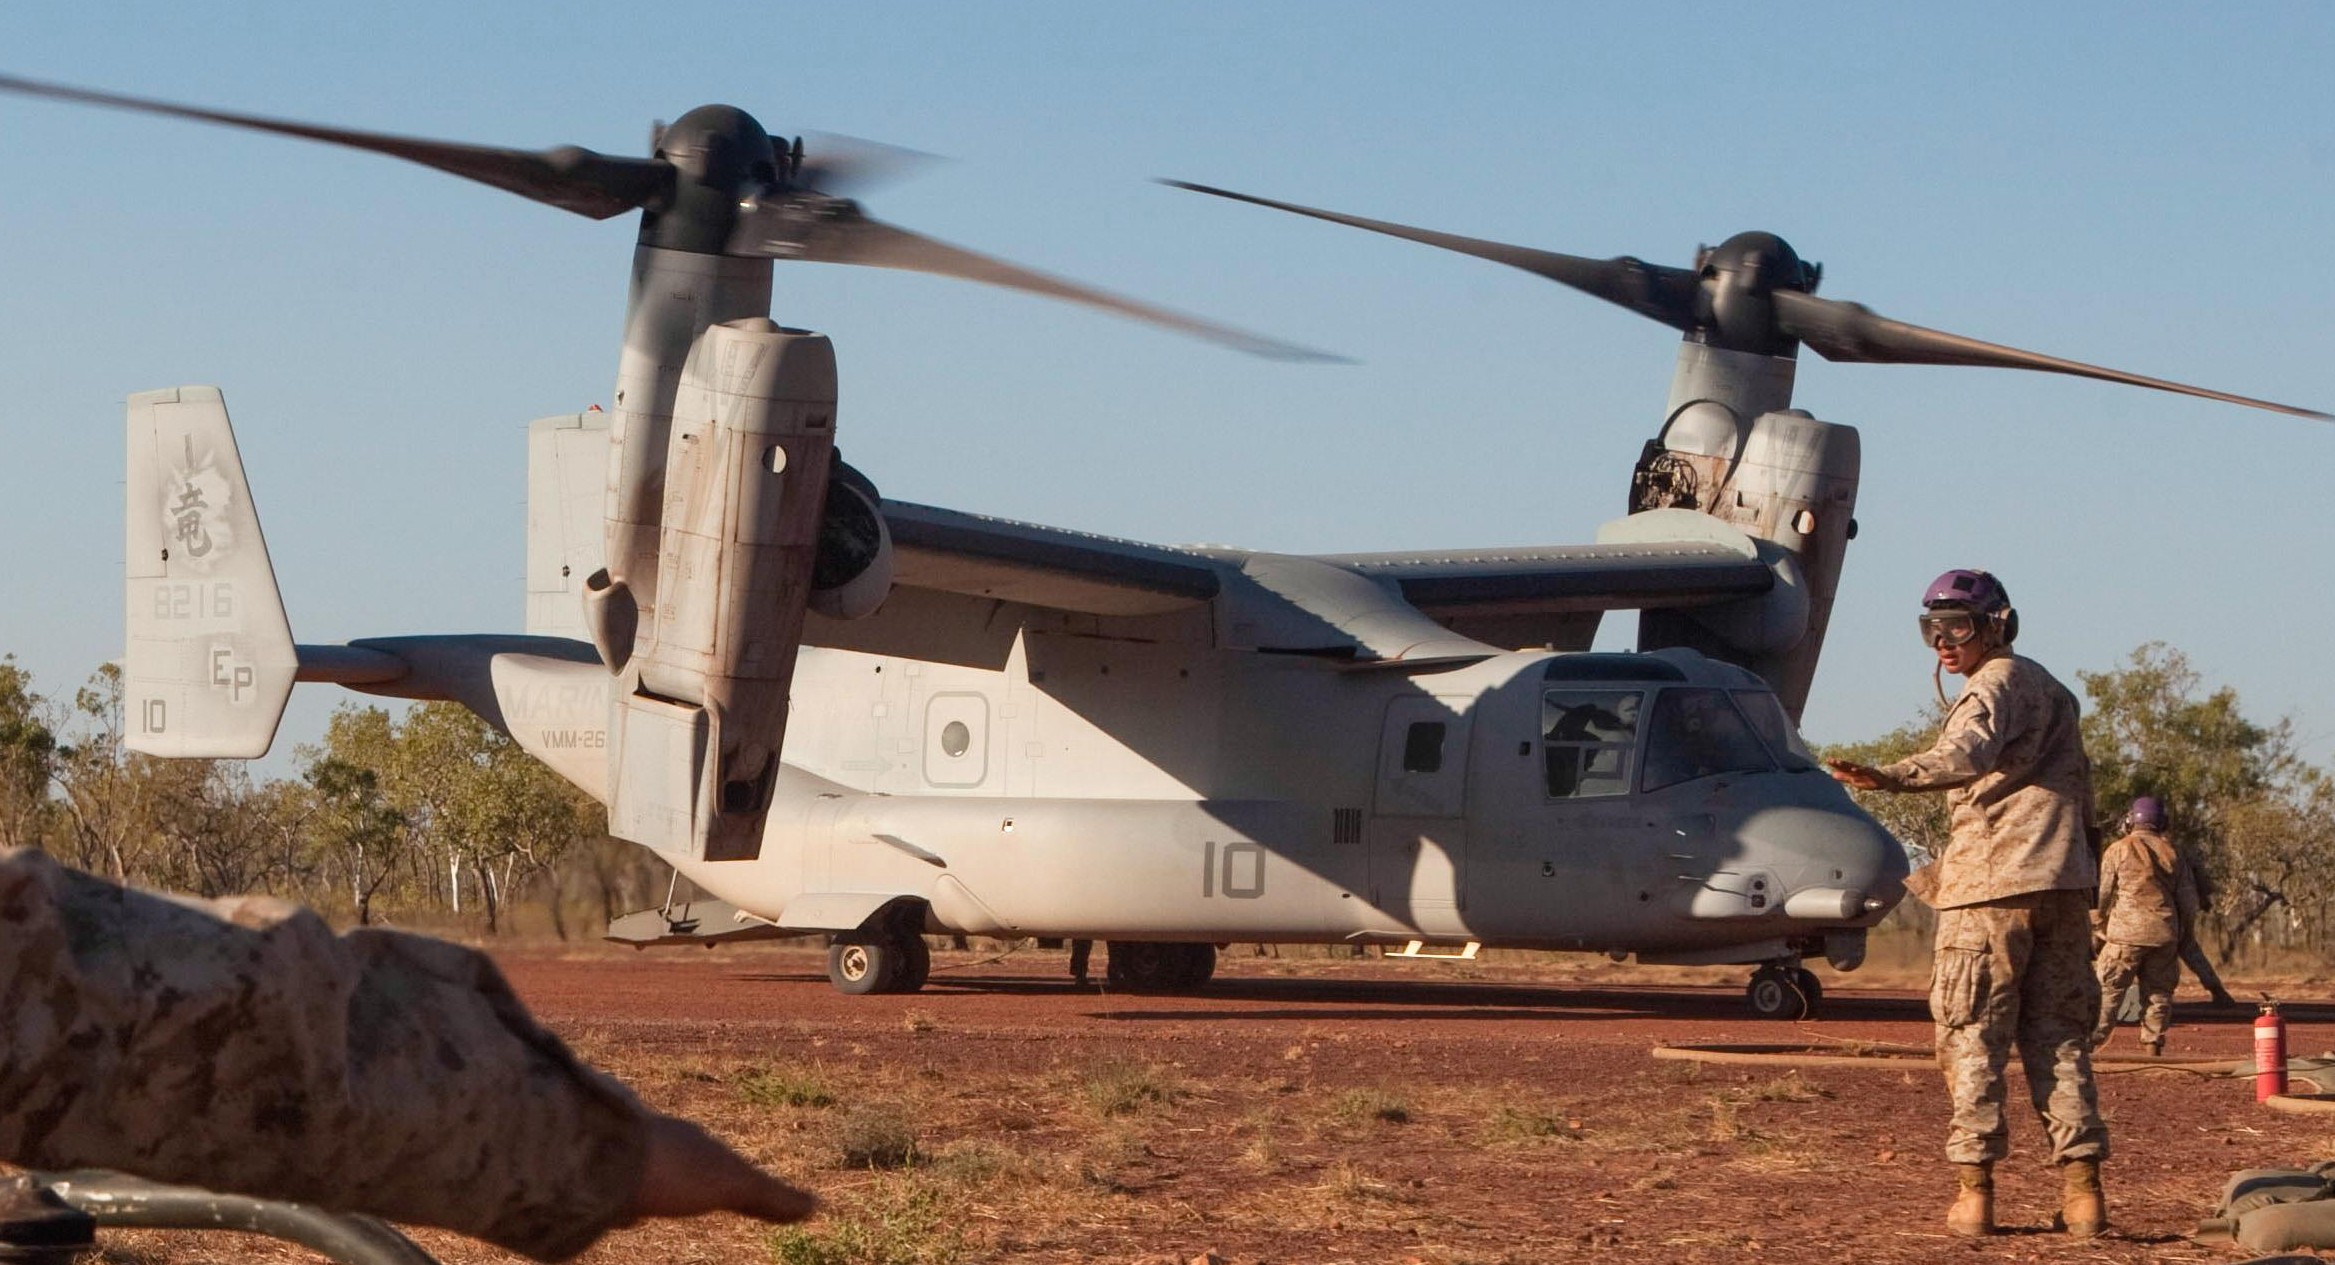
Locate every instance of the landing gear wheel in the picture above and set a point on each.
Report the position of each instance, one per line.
(1775, 993)
(1199, 966)
(1138, 965)
(915, 967)
(890, 965)
(1145, 966)
(1810, 988)
(858, 969)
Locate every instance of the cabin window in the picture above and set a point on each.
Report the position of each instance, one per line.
(1423, 747)
(1698, 733)
(1766, 713)
(1589, 741)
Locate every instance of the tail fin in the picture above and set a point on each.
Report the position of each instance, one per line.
(210, 658)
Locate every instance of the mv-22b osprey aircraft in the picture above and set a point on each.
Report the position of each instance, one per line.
(870, 720)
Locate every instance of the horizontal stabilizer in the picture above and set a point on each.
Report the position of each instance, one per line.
(210, 660)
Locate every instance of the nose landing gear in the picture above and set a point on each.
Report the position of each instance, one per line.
(1783, 990)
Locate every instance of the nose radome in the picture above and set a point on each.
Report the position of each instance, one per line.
(1834, 860)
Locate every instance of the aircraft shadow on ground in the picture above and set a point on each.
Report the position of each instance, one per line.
(1337, 999)
(1349, 999)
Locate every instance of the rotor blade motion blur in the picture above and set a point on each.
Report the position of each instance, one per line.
(568, 177)
(844, 166)
(835, 231)
(1651, 290)
(1843, 331)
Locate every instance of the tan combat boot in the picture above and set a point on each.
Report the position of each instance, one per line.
(1972, 1215)
(2083, 1209)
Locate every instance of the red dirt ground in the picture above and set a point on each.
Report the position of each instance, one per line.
(1537, 1128)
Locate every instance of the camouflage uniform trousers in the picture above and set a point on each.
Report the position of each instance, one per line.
(2018, 971)
(2157, 967)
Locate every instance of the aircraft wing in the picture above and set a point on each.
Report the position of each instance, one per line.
(1566, 578)
(972, 555)
(1554, 595)
(954, 569)
(956, 574)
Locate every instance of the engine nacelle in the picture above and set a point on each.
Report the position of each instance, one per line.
(1782, 477)
(852, 574)
(700, 715)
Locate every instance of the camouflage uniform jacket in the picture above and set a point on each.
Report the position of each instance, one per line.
(2018, 789)
(2144, 891)
(240, 1045)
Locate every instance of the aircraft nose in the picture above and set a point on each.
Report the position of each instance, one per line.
(1836, 863)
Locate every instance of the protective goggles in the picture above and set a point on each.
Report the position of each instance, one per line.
(1950, 628)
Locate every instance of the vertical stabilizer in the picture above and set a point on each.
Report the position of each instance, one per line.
(210, 658)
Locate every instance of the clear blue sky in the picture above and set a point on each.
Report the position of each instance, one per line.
(2145, 186)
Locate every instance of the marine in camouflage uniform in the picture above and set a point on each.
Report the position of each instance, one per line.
(2013, 891)
(2145, 891)
(240, 1045)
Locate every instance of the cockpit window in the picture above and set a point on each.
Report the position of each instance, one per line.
(1697, 733)
(1766, 714)
(1591, 741)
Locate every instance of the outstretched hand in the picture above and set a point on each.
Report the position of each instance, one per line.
(1862, 776)
(687, 1172)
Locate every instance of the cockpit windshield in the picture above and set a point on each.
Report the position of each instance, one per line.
(1766, 714)
(1590, 740)
(1697, 732)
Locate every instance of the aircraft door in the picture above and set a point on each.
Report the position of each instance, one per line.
(1577, 852)
(1418, 825)
(1598, 843)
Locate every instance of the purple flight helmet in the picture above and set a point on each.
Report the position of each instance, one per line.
(2146, 812)
(1976, 591)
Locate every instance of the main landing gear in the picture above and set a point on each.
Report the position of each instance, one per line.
(1145, 966)
(1783, 990)
(889, 963)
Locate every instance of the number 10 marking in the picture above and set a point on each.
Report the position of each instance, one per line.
(1243, 870)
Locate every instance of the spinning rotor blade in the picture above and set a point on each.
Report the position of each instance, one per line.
(1651, 290)
(1853, 332)
(835, 231)
(570, 178)
(1753, 294)
(844, 166)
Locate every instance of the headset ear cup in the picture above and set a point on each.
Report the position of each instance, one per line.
(2008, 622)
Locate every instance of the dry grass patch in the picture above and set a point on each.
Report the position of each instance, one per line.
(1371, 1106)
(898, 1225)
(1119, 1088)
(784, 1087)
(1786, 1088)
(1678, 1072)
(1349, 1182)
(1726, 1122)
(878, 1136)
(1263, 1153)
(981, 1165)
(1657, 1179)
(1532, 1126)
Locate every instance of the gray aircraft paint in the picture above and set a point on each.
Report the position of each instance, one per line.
(1130, 775)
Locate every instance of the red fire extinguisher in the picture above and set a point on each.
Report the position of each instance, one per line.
(2269, 1053)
